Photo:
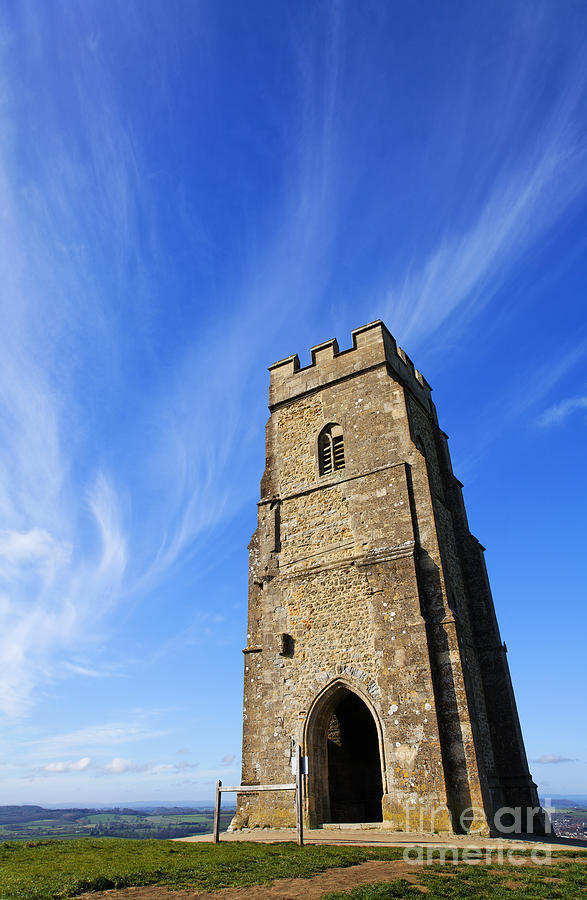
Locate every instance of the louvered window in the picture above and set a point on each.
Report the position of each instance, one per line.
(331, 449)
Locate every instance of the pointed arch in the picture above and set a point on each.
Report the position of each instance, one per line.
(343, 740)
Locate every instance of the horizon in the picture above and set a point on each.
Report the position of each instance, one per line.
(144, 804)
(131, 804)
(192, 194)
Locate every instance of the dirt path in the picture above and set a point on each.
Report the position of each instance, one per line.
(283, 889)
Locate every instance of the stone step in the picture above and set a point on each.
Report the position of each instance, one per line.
(353, 826)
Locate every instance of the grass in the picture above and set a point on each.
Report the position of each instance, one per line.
(47, 870)
(52, 870)
(380, 890)
(554, 882)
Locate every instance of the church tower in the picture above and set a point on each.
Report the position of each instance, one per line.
(372, 638)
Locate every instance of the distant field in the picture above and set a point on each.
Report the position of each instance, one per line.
(41, 829)
(56, 835)
(74, 824)
(201, 818)
(580, 814)
(103, 818)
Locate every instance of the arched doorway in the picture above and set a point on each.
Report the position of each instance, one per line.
(342, 743)
(354, 768)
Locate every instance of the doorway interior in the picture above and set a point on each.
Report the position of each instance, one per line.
(345, 762)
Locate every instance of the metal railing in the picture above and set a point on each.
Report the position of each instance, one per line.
(298, 787)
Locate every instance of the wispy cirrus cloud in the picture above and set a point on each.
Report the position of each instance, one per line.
(533, 384)
(62, 547)
(35, 549)
(207, 433)
(101, 735)
(47, 602)
(559, 412)
(466, 270)
(86, 671)
(84, 529)
(532, 178)
(100, 497)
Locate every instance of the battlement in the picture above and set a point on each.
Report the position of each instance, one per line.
(372, 345)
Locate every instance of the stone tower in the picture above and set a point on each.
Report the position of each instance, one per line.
(372, 638)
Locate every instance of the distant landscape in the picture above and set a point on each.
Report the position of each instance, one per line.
(144, 820)
(38, 822)
(569, 816)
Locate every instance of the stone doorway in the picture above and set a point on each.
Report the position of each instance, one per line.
(345, 772)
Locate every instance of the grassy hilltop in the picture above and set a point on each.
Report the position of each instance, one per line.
(48, 870)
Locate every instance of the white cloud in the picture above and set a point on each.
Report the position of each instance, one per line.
(558, 412)
(50, 602)
(58, 767)
(548, 759)
(35, 548)
(228, 759)
(120, 766)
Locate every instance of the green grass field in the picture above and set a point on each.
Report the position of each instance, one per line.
(41, 829)
(559, 881)
(107, 818)
(47, 870)
(113, 824)
(152, 818)
(197, 818)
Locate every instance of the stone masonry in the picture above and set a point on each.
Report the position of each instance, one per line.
(372, 638)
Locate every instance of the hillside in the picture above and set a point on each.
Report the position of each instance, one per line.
(36, 822)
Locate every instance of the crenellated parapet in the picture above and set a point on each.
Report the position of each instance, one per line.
(372, 346)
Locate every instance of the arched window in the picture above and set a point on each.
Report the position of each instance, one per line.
(330, 449)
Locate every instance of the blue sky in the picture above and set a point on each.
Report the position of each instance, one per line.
(190, 191)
